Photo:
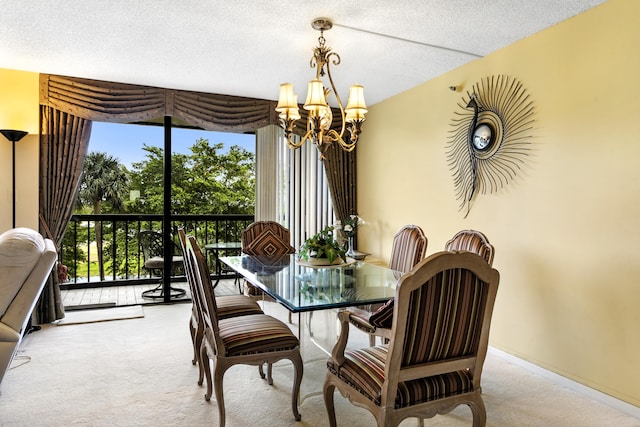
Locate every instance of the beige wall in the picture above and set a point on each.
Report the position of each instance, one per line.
(566, 232)
(19, 111)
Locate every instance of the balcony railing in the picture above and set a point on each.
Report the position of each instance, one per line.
(121, 254)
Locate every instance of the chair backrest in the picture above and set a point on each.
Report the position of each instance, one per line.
(266, 238)
(151, 243)
(409, 248)
(472, 241)
(205, 294)
(189, 271)
(441, 319)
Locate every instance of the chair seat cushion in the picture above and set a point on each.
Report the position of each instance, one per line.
(363, 369)
(157, 262)
(255, 333)
(236, 305)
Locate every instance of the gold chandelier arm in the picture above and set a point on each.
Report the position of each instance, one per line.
(335, 93)
(335, 137)
(292, 144)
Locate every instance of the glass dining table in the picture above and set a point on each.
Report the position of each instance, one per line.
(301, 287)
(315, 294)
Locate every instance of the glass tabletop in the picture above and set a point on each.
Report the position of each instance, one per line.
(304, 288)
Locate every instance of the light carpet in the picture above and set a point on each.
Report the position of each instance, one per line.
(101, 315)
(138, 372)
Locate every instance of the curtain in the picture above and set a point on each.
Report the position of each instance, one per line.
(64, 139)
(303, 202)
(340, 167)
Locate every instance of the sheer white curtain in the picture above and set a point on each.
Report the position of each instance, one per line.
(291, 186)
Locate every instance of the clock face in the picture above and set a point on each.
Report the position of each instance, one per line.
(483, 137)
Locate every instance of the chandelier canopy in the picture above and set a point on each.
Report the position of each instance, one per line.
(320, 116)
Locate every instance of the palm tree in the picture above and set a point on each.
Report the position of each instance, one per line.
(104, 179)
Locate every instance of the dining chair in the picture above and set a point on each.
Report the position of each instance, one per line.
(408, 249)
(252, 339)
(472, 241)
(228, 306)
(152, 246)
(434, 359)
(265, 238)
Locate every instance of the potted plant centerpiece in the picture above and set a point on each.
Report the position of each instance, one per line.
(323, 249)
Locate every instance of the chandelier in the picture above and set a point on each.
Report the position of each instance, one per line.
(320, 115)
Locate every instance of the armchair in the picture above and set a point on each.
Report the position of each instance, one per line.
(409, 247)
(434, 359)
(26, 260)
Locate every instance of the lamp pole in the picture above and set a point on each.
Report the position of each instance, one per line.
(13, 136)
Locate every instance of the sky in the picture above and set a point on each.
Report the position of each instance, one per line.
(124, 141)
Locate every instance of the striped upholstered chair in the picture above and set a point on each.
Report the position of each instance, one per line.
(408, 249)
(252, 339)
(472, 241)
(439, 339)
(228, 306)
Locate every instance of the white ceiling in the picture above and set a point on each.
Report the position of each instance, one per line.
(249, 47)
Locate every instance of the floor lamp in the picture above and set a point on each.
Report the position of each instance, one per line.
(13, 136)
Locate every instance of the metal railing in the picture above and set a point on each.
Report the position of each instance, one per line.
(121, 255)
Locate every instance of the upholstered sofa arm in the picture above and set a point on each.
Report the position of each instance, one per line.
(19, 312)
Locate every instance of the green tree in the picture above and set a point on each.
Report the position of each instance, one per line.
(206, 181)
(104, 181)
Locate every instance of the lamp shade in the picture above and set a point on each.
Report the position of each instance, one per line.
(288, 102)
(315, 96)
(356, 107)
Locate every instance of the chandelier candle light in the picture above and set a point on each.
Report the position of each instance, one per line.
(320, 116)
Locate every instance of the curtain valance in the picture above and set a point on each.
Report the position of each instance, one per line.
(125, 103)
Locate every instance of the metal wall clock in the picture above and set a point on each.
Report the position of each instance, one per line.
(490, 137)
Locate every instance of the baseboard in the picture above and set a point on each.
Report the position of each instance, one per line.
(596, 395)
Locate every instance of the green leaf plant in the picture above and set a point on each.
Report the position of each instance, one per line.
(323, 245)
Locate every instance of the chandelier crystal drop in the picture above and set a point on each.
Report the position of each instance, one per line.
(320, 114)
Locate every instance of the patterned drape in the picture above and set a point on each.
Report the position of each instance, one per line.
(64, 139)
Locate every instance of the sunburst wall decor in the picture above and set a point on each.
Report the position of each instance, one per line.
(491, 137)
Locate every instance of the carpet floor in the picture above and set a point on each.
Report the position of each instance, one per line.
(138, 372)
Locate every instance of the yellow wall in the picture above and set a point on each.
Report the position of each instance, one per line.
(19, 111)
(567, 232)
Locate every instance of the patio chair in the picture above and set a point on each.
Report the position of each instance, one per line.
(252, 339)
(408, 249)
(152, 245)
(434, 359)
(228, 306)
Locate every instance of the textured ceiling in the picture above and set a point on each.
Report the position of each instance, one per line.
(247, 48)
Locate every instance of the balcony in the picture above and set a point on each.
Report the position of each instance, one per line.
(124, 278)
